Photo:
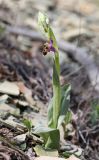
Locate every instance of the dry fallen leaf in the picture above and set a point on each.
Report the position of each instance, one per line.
(48, 158)
(23, 89)
(9, 88)
(72, 157)
(28, 96)
(40, 151)
(27, 93)
(7, 108)
(3, 98)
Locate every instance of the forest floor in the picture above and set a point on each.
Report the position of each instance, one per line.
(25, 74)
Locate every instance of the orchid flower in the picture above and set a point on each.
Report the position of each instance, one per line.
(59, 104)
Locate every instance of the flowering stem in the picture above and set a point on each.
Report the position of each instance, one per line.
(54, 110)
(56, 81)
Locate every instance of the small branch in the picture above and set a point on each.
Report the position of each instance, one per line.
(14, 125)
(9, 147)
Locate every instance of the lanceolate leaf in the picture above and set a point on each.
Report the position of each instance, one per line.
(53, 140)
(68, 117)
(28, 124)
(50, 114)
(65, 101)
(56, 96)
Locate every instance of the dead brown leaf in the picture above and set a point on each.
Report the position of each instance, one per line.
(9, 88)
(72, 157)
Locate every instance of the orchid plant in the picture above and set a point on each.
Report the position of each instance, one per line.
(59, 104)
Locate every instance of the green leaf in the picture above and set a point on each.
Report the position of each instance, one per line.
(65, 101)
(53, 140)
(54, 106)
(68, 117)
(50, 136)
(41, 151)
(56, 96)
(50, 114)
(28, 124)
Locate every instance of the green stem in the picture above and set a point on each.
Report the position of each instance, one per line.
(56, 81)
(56, 92)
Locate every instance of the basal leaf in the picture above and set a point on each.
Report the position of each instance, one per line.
(50, 136)
(53, 140)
